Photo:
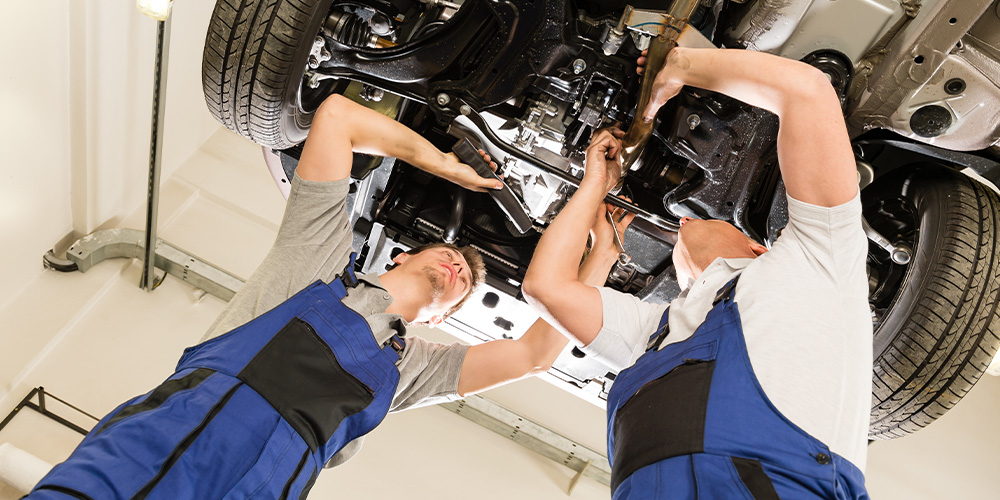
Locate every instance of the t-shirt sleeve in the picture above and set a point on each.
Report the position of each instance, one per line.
(428, 373)
(628, 322)
(313, 243)
(831, 238)
(315, 213)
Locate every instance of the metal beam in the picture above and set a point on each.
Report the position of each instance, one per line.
(129, 243)
(534, 437)
(148, 279)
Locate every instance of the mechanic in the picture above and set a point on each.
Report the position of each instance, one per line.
(314, 356)
(756, 379)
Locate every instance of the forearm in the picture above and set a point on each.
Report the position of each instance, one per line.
(814, 152)
(371, 132)
(563, 243)
(552, 285)
(543, 343)
(501, 361)
(595, 269)
(762, 80)
(341, 126)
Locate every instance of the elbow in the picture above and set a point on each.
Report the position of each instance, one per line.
(539, 284)
(539, 369)
(540, 364)
(537, 293)
(335, 108)
(810, 87)
(816, 83)
(530, 288)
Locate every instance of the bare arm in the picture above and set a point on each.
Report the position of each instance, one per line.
(814, 151)
(501, 361)
(551, 283)
(341, 127)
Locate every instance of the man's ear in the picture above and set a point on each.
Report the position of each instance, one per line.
(758, 249)
(401, 258)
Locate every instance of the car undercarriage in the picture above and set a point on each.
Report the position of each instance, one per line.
(529, 82)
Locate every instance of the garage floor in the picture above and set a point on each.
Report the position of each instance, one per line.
(105, 341)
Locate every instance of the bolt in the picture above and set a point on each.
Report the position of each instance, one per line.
(373, 94)
(380, 24)
(465, 109)
(313, 81)
(443, 99)
(313, 62)
(578, 66)
(624, 260)
(901, 254)
(693, 121)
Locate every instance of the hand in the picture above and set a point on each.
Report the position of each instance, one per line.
(667, 84)
(464, 175)
(603, 165)
(602, 237)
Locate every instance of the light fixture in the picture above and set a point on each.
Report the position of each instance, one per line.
(159, 10)
(156, 9)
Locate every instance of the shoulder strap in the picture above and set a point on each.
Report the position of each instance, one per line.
(727, 292)
(398, 344)
(348, 277)
(657, 338)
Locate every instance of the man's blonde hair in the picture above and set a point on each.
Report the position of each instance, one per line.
(476, 266)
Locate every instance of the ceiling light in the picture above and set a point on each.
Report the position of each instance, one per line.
(156, 9)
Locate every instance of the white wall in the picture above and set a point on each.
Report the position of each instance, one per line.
(77, 95)
(113, 55)
(34, 137)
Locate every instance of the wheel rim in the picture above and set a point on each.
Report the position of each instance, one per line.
(896, 219)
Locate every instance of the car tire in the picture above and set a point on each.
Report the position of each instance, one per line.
(942, 328)
(253, 65)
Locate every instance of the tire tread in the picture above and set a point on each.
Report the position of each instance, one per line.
(945, 346)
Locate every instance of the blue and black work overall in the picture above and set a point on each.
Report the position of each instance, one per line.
(691, 421)
(254, 413)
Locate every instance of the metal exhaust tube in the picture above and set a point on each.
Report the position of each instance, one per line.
(674, 21)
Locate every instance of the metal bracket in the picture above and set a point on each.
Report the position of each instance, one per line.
(989, 169)
(40, 408)
(534, 437)
(129, 243)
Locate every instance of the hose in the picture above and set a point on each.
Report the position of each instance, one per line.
(457, 214)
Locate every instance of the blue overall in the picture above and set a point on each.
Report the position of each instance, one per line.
(691, 421)
(254, 413)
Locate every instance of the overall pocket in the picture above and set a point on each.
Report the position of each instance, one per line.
(665, 417)
(299, 375)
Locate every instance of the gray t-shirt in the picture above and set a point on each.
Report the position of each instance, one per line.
(314, 243)
(805, 316)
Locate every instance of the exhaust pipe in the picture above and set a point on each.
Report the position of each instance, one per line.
(673, 22)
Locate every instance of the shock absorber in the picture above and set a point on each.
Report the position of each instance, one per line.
(350, 29)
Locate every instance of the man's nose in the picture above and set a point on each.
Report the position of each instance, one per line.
(684, 220)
